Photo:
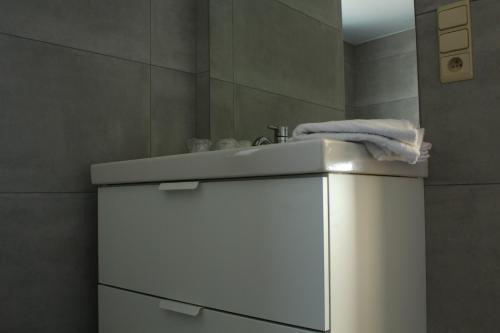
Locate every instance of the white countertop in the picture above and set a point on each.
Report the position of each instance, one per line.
(295, 158)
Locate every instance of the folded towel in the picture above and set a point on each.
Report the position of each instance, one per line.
(385, 139)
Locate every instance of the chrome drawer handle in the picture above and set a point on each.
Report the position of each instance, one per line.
(182, 308)
(183, 186)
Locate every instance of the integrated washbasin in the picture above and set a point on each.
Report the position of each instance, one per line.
(305, 157)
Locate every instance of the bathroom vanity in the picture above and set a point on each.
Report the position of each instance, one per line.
(299, 237)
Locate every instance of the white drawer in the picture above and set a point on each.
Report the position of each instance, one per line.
(252, 247)
(127, 312)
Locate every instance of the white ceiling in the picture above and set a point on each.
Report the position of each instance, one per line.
(365, 20)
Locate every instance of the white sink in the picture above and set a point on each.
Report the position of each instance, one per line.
(305, 157)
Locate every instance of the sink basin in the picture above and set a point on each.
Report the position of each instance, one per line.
(295, 158)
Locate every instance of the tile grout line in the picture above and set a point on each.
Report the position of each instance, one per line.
(172, 69)
(399, 55)
(93, 52)
(276, 94)
(236, 117)
(150, 24)
(387, 102)
(196, 65)
(209, 66)
(412, 28)
(307, 15)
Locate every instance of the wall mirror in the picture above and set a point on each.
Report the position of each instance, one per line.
(380, 59)
(285, 62)
(268, 62)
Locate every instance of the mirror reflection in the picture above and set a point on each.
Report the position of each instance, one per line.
(380, 59)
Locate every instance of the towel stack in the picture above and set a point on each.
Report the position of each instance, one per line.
(385, 139)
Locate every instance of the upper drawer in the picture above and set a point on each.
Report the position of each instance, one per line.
(253, 247)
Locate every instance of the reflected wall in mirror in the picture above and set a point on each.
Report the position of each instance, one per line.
(264, 62)
(380, 59)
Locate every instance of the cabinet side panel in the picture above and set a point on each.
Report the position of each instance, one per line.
(377, 233)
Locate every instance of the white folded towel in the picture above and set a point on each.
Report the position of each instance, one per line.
(385, 139)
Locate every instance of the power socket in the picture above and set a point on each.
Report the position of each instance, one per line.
(456, 67)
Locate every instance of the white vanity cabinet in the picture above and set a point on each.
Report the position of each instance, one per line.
(317, 251)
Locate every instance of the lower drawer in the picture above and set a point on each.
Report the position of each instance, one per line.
(127, 312)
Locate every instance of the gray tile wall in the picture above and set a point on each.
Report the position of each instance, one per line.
(349, 68)
(113, 27)
(381, 78)
(48, 251)
(463, 190)
(81, 82)
(270, 64)
(255, 109)
(325, 11)
(173, 34)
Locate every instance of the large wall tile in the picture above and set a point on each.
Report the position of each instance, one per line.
(462, 118)
(485, 26)
(350, 88)
(221, 39)
(48, 253)
(381, 79)
(386, 79)
(115, 27)
(256, 109)
(423, 6)
(202, 36)
(394, 45)
(463, 258)
(173, 34)
(349, 52)
(349, 71)
(327, 11)
(280, 50)
(173, 110)
(64, 109)
(402, 109)
(349, 112)
(221, 110)
(202, 126)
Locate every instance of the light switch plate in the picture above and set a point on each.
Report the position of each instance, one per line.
(455, 42)
(452, 17)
